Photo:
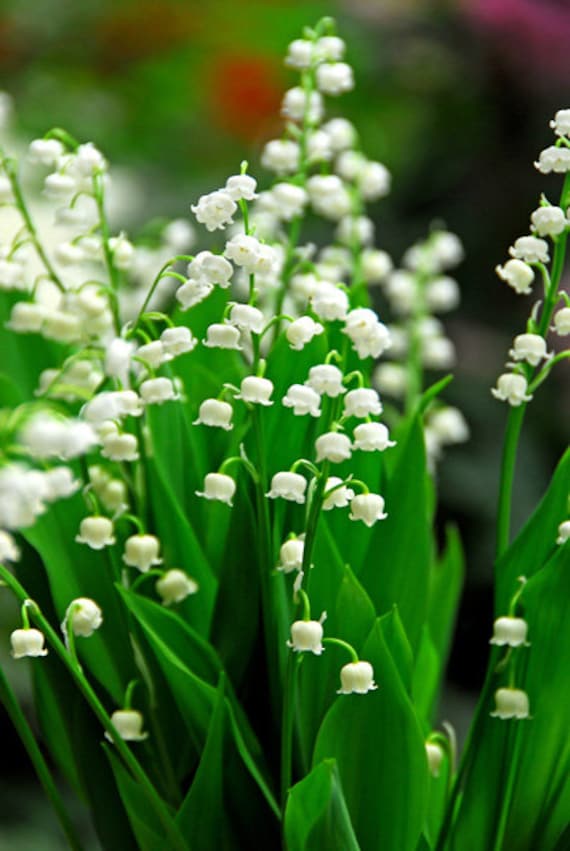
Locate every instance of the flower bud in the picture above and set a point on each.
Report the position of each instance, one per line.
(27, 642)
(434, 754)
(563, 532)
(357, 678)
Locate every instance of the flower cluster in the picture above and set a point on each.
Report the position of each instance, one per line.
(532, 254)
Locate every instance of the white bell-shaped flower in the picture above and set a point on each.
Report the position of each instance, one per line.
(290, 200)
(9, 550)
(45, 151)
(222, 336)
(152, 354)
(362, 402)
(509, 631)
(561, 122)
(174, 586)
(435, 755)
(256, 390)
(336, 494)
(549, 221)
(218, 487)
(83, 616)
(530, 249)
(96, 532)
(376, 265)
(554, 158)
(391, 379)
(333, 446)
(326, 379)
(246, 318)
(442, 294)
(129, 725)
(241, 186)
(291, 555)
(303, 400)
(299, 54)
(27, 642)
(511, 703)
(290, 486)
(329, 302)
(517, 274)
(562, 321)
(341, 133)
(563, 532)
(368, 507)
(511, 387)
(281, 156)
(357, 678)
(142, 551)
(334, 78)
(449, 425)
(301, 331)
(530, 348)
(177, 341)
(372, 437)
(215, 413)
(215, 210)
(306, 636)
(193, 292)
(120, 447)
(156, 391)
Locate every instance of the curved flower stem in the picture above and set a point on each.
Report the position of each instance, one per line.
(10, 169)
(516, 415)
(18, 719)
(99, 196)
(161, 274)
(155, 801)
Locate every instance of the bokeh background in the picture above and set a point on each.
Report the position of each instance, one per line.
(454, 96)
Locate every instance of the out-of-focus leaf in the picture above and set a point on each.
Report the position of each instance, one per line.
(536, 542)
(316, 815)
(396, 567)
(379, 749)
(536, 750)
(146, 825)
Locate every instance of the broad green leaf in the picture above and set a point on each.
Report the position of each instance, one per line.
(191, 667)
(74, 570)
(316, 816)
(146, 825)
(379, 749)
(536, 542)
(396, 568)
(426, 679)
(446, 580)
(399, 646)
(536, 750)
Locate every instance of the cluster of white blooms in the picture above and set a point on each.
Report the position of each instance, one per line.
(549, 226)
(25, 493)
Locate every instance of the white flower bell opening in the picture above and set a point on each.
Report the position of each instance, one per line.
(27, 642)
(96, 532)
(219, 488)
(368, 507)
(129, 725)
(289, 486)
(510, 631)
(174, 586)
(357, 678)
(511, 703)
(142, 552)
(306, 636)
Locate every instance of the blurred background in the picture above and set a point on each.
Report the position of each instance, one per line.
(454, 96)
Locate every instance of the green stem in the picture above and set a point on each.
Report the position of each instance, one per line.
(98, 709)
(18, 719)
(10, 170)
(287, 723)
(99, 196)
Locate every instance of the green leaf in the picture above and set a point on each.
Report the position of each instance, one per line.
(536, 751)
(146, 825)
(446, 580)
(379, 749)
(316, 816)
(426, 678)
(74, 570)
(536, 542)
(191, 667)
(397, 564)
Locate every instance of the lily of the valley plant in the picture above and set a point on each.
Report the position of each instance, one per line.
(217, 495)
